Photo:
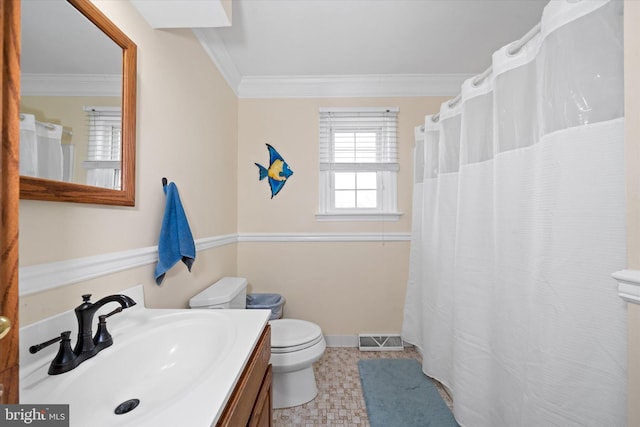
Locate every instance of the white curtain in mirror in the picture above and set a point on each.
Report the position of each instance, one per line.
(28, 145)
(68, 157)
(519, 221)
(40, 148)
(50, 163)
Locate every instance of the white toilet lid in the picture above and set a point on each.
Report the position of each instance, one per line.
(289, 335)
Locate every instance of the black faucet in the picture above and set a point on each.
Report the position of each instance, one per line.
(86, 345)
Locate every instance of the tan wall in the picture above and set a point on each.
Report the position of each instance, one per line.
(345, 287)
(291, 126)
(193, 130)
(632, 157)
(187, 131)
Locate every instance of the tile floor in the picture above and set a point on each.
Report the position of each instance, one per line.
(339, 401)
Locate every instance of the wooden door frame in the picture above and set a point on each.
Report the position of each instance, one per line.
(9, 194)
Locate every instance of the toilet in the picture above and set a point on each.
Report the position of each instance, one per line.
(295, 344)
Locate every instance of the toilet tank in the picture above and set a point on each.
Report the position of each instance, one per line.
(228, 292)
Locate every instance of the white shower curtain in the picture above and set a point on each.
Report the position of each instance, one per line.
(40, 148)
(28, 145)
(50, 159)
(518, 223)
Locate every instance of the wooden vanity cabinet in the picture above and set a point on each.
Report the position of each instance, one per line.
(251, 401)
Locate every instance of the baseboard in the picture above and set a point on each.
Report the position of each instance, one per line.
(341, 340)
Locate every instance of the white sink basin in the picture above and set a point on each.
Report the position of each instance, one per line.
(180, 364)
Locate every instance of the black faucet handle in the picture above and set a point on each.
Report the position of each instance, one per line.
(65, 359)
(104, 316)
(103, 338)
(86, 297)
(63, 336)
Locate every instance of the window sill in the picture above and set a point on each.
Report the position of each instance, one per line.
(359, 216)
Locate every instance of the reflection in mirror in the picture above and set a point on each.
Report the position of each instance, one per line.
(77, 109)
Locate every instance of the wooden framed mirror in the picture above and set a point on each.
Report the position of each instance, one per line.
(40, 186)
(9, 90)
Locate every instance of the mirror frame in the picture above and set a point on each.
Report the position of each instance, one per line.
(32, 188)
(9, 206)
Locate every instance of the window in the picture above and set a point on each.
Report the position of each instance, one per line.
(104, 152)
(358, 164)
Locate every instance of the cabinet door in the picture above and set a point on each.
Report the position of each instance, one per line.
(9, 197)
(242, 403)
(262, 414)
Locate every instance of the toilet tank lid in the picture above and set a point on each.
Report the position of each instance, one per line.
(221, 292)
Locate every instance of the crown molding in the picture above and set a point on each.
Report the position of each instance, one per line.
(214, 46)
(70, 85)
(351, 86)
(321, 86)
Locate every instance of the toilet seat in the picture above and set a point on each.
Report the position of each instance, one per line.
(289, 335)
(295, 344)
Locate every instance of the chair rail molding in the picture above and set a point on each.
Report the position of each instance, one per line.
(628, 285)
(324, 237)
(42, 277)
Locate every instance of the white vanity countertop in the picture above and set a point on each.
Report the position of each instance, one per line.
(199, 402)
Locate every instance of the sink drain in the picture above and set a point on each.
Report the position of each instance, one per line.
(127, 406)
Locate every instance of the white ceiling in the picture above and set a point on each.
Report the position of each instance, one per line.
(280, 48)
(57, 39)
(271, 41)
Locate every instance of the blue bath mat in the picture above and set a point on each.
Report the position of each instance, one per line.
(398, 394)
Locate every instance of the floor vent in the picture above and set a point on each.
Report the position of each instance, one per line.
(380, 342)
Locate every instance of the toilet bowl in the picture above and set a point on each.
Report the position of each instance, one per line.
(295, 344)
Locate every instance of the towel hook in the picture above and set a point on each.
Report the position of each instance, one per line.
(164, 181)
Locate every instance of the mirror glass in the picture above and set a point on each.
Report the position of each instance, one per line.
(76, 132)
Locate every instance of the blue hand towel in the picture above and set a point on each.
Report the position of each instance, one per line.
(176, 242)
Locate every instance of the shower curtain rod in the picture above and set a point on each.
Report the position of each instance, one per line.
(49, 126)
(513, 49)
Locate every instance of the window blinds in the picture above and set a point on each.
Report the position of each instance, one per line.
(362, 139)
(105, 132)
(104, 151)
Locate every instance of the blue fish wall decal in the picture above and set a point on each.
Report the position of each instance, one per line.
(278, 171)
